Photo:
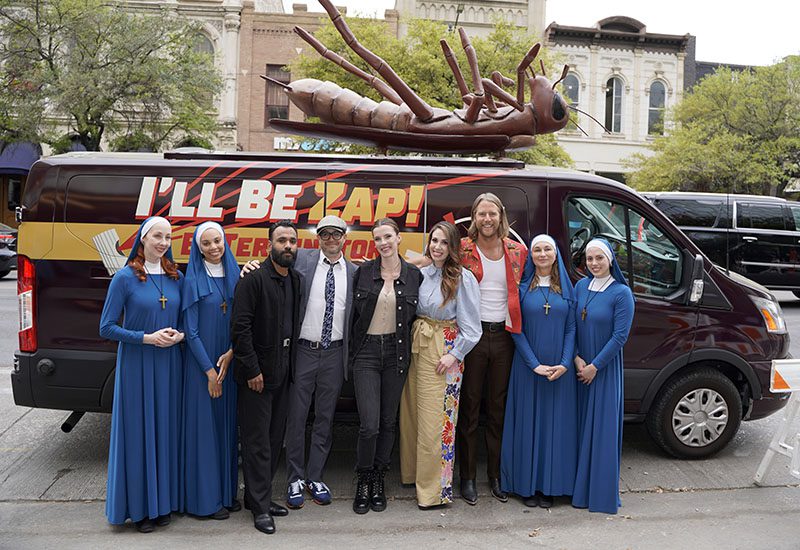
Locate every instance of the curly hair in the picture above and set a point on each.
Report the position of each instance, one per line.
(169, 267)
(451, 271)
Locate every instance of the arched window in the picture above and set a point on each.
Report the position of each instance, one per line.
(614, 104)
(572, 89)
(204, 45)
(655, 114)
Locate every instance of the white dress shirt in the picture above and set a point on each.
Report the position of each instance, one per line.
(315, 310)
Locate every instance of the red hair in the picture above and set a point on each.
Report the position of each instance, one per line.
(169, 267)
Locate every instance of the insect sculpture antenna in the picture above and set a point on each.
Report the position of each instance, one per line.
(562, 77)
(590, 116)
(541, 64)
(578, 126)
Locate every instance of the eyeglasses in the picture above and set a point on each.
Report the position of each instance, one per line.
(328, 235)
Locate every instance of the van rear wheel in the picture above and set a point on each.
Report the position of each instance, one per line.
(696, 414)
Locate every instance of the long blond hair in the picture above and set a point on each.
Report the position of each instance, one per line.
(502, 230)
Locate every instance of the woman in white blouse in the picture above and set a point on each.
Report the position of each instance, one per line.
(447, 328)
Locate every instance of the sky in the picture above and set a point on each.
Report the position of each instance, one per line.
(726, 31)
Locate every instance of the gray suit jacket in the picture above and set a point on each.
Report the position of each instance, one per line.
(306, 265)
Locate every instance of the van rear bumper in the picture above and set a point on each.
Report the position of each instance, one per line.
(69, 380)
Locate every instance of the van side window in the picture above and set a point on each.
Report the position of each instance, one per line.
(691, 212)
(796, 215)
(759, 216)
(656, 261)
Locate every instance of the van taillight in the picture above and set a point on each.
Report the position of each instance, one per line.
(26, 294)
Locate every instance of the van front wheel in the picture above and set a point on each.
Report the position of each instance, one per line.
(696, 414)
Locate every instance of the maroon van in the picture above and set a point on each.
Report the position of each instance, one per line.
(696, 364)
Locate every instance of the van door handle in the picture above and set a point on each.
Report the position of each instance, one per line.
(750, 239)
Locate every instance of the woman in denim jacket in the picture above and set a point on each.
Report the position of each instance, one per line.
(384, 308)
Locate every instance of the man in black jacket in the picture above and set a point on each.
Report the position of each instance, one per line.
(265, 325)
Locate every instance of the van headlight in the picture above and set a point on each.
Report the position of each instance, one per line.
(771, 313)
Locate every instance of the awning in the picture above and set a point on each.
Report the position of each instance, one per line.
(18, 157)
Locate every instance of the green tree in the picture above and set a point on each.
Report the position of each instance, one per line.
(94, 69)
(734, 132)
(418, 59)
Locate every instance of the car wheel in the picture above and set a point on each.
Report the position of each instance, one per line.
(695, 414)
(4, 273)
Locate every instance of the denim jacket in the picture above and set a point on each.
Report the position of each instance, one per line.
(368, 284)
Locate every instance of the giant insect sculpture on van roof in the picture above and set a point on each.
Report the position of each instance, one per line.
(492, 119)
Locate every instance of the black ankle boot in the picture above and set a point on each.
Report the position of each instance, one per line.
(363, 492)
(377, 500)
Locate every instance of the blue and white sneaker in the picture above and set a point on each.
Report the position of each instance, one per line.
(294, 494)
(319, 492)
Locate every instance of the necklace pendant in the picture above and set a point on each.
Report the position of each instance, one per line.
(546, 308)
(224, 307)
(163, 301)
(583, 314)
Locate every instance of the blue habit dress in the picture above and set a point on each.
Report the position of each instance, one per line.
(540, 432)
(600, 338)
(208, 443)
(143, 452)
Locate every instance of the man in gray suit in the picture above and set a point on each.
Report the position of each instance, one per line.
(322, 352)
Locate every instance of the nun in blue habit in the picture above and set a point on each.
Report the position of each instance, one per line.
(604, 314)
(540, 432)
(208, 443)
(142, 312)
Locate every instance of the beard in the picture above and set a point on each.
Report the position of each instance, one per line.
(284, 258)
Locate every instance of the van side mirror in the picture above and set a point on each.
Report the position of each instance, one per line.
(698, 269)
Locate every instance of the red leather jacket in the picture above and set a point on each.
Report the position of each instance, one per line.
(515, 254)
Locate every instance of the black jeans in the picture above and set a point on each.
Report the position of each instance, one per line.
(378, 386)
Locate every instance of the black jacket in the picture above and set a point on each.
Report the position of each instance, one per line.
(256, 326)
(368, 284)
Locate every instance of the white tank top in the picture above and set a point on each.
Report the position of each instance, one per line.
(494, 291)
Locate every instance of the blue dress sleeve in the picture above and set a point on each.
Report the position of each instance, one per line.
(118, 292)
(568, 352)
(623, 319)
(191, 323)
(468, 315)
(523, 347)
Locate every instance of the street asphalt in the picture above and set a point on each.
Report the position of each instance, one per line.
(52, 490)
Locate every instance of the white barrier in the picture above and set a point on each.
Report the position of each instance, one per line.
(784, 378)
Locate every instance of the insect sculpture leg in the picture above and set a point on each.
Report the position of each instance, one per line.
(373, 81)
(417, 105)
(502, 81)
(523, 65)
(477, 104)
(498, 92)
(450, 57)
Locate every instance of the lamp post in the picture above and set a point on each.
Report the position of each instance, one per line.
(459, 11)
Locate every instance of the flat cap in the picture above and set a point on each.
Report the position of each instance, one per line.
(333, 222)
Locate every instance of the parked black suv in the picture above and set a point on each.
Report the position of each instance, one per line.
(755, 236)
